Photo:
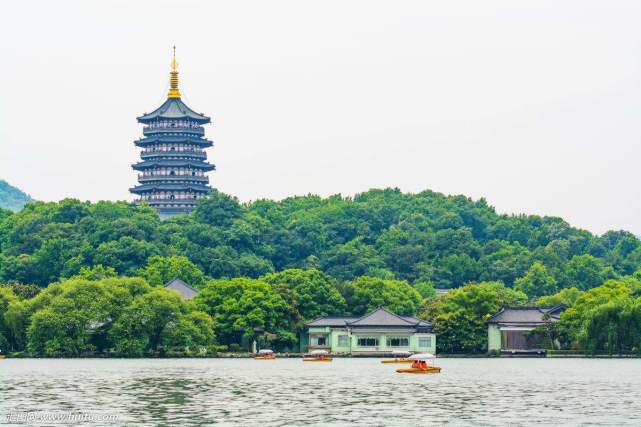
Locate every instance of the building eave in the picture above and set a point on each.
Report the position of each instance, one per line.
(173, 109)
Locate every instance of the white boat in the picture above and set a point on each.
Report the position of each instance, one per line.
(318, 356)
(265, 354)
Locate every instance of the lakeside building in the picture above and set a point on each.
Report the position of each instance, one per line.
(377, 333)
(172, 173)
(186, 292)
(510, 330)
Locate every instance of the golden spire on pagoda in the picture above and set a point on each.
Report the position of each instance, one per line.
(173, 79)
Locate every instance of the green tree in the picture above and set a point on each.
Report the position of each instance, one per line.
(586, 272)
(428, 236)
(160, 270)
(218, 209)
(605, 318)
(244, 308)
(192, 333)
(566, 296)
(368, 293)
(7, 297)
(614, 327)
(75, 319)
(315, 293)
(22, 291)
(352, 259)
(161, 322)
(426, 289)
(536, 281)
(504, 261)
(455, 270)
(96, 272)
(125, 255)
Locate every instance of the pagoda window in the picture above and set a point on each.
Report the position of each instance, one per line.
(172, 173)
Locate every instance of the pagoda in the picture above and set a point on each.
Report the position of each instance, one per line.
(172, 173)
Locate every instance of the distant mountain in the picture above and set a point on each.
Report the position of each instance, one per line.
(11, 198)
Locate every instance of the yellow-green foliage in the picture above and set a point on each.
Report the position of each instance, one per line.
(606, 318)
(80, 316)
(567, 297)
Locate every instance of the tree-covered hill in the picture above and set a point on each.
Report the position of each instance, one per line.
(421, 238)
(12, 198)
(265, 268)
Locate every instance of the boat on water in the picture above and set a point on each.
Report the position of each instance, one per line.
(422, 363)
(399, 357)
(318, 356)
(265, 354)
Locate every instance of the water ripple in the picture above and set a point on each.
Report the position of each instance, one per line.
(230, 392)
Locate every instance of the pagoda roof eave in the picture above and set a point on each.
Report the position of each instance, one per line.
(169, 187)
(173, 163)
(173, 109)
(173, 139)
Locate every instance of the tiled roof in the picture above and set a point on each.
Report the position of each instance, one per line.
(382, 317)
(185, 291)
(330, 321)
(174, 108)
(418, 322)
(378, 318)
(526, 315)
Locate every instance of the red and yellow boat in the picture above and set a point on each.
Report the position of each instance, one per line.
(265, 354)
(318, 356)
(420, 365)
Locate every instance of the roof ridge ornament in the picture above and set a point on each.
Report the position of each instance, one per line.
(173, 78)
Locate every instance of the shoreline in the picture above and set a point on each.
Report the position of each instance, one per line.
(347, 356)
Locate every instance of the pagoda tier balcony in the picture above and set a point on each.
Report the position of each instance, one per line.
(157, 140)
(196, 155)
(170, 203)
(189, 200)
(153, 165)
(149, 188)
(182, 179)
(173, 130)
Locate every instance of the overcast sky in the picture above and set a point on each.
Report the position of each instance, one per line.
(534, 105)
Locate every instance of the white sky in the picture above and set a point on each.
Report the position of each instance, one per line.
(535, 105)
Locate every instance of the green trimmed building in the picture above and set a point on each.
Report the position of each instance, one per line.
(377, 333)
(510, 330)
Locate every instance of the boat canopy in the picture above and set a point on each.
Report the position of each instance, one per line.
(265, 351)
(422, 356)
(318, 352)
(401, 353)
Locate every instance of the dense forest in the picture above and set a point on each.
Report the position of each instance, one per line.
(12, 198)
(270, 266)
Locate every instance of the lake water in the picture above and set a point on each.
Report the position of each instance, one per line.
(181, 392)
